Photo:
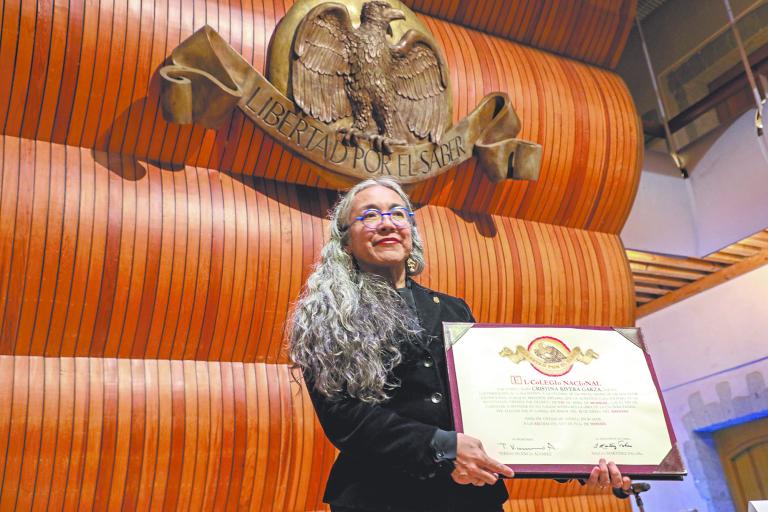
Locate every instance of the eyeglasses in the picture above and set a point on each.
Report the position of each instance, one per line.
(399, 215)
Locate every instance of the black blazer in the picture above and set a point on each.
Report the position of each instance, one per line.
(386, 461)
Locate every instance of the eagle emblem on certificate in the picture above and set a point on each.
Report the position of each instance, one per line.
(549, 355)
(360, 88)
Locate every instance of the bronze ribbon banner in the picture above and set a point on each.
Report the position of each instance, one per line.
(208, 78)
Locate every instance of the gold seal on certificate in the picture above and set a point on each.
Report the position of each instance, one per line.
(552, 401)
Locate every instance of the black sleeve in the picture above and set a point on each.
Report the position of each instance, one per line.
(468, 312)
(357, 427)
(444, 445)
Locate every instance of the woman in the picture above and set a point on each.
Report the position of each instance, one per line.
(369, 343)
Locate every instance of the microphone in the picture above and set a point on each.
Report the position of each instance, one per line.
(638, 487)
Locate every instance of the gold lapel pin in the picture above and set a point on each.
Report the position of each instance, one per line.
(436, 299)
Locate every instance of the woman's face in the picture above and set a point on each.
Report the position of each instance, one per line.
(383, 248)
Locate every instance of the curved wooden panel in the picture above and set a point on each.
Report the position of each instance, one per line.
(593, 32)
(100, 433)
(96, 89)
(103, 257)
(93, 433)
(602, 503)
(575, 111)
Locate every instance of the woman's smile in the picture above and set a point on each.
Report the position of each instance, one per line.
(388, 241)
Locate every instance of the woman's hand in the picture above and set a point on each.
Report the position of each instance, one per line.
(474, 466)
(605, 474)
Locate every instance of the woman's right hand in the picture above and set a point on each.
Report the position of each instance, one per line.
(474, 466)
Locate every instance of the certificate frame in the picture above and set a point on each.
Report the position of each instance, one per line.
(668, 467)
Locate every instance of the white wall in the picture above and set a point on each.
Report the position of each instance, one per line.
(718, 328)
(661, 219)
(724, 200)
(730, 187)
(702, 347)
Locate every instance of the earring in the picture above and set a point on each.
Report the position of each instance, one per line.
(411, 265)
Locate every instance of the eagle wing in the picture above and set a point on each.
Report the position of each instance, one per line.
(321, 61)
(420, 82)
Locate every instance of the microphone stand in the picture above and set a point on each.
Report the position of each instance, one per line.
(635, 490)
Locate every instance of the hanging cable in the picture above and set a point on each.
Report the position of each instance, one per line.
(759, 102)
(671, 146)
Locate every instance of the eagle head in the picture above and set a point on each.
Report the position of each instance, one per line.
(380, 13)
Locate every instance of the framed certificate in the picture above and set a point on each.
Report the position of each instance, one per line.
(552, 401)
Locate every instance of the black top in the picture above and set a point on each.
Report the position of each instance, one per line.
(443, 442)
(388, 456)
(407, 294)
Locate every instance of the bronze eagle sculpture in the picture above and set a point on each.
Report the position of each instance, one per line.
(394, 94)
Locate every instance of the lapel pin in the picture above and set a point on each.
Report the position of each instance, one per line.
(436, 299)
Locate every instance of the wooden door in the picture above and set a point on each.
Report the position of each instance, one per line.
(743, 453)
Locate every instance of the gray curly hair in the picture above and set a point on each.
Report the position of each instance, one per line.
(348, 325)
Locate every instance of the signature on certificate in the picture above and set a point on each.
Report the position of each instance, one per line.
(612, 445)
(524, 447)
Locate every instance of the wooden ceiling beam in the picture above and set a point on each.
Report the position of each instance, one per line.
(654, 270)
(652, 290)
(739, 250)
(658, 281)
(719, 257)
(760, 235)
(753, 243)
(669, 261)
(705, 283)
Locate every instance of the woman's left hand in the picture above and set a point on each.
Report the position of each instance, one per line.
(607, 473)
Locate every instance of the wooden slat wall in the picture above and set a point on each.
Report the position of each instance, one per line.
(95, 88)
(138, 434)
(591, 31)
(193, 264)
(583, 117)
(574, 504)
